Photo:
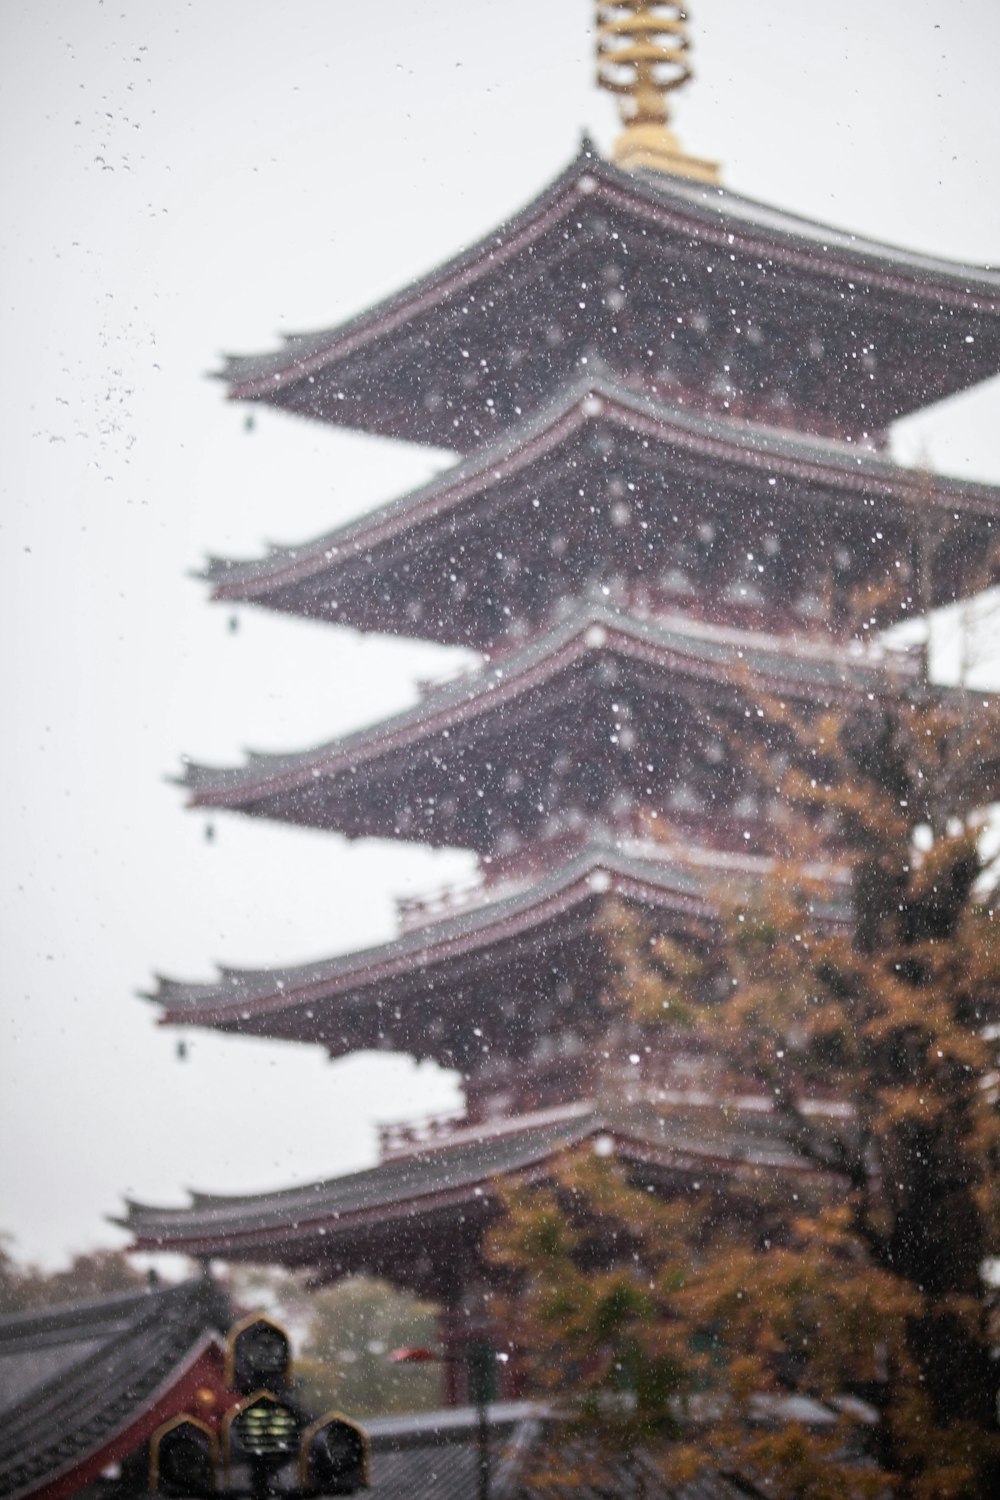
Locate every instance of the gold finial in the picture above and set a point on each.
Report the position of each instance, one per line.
(642, 55)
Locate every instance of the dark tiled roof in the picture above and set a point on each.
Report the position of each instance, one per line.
(714, 207)
(368, 549)
(844, 281)
(678, 648)
(448, 1471)
(119, 1355)
(36, 1346)
(451, 1168)
(417, 963)
(689, 1139)
(435, 1455)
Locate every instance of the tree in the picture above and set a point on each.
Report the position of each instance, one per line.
(699, 1311)
(343, 1335)
(90, 1275)
(354, 1327)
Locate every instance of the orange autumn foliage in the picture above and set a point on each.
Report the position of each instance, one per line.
(682, 1330)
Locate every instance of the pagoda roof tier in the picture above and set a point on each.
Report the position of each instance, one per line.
(606, 478)
(525, 961)
(691, 287)
(418, 1219)
(601, 707)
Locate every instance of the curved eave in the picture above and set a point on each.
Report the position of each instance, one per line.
(756, 456)
(313, 1002)
(255, 376)
(401, 1201)
(825, 258)
(681, 651)
(437, 1179)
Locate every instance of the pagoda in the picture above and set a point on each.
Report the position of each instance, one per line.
(669, 408)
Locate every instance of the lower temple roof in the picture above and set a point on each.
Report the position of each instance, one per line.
(434, 1454)
(84, 1385)
(411, 994)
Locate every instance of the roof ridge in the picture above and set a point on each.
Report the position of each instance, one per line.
(686, 871)
(74, 1315)
(427, 1153)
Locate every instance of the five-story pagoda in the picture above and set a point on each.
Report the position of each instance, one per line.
(670, 406)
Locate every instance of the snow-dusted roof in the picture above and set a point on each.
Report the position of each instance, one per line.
(863, 293)
(89, 1382)
(407, 1189)
(360, 782)
(356, 574)
(389, 995)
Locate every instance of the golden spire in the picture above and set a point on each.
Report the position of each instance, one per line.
(642, 55)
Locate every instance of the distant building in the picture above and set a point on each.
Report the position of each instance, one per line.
(670, 405)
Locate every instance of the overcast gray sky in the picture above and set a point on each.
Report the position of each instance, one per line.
(182, 179)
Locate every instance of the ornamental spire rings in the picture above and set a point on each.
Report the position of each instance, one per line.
(642, 56)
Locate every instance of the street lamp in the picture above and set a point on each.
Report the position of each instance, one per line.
(480, 1367)
(182, 1457)
(265, 1431)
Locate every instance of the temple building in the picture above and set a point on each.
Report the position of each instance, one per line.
(84, 1386)
(669, 408)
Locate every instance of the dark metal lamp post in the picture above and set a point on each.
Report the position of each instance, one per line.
(480, 1364)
